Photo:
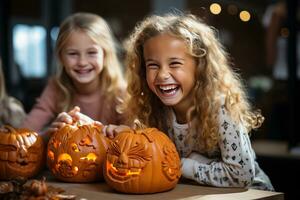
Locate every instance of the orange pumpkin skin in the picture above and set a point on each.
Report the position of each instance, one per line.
(76, 153)
(142, 161)
(21, 153)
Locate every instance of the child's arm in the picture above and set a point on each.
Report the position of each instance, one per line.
(235, 168)
(43, 111)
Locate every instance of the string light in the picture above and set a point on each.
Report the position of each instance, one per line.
(215, 8)
(245, 16)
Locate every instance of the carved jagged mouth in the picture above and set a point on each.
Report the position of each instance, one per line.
(122, 174)
(23, 164)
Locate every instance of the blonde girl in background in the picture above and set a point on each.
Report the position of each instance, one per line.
(180, 81)
(88, 78)
(11, 110)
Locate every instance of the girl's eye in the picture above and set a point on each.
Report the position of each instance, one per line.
(175, 64)
(152, 66)
(71, 53)
(92, 52)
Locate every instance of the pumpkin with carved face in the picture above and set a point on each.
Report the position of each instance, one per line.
(76, 153)
(21, 153)
(142, 161)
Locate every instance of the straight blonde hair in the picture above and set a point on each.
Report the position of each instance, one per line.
(97, 29)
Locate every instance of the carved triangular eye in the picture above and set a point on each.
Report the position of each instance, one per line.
(75, 147)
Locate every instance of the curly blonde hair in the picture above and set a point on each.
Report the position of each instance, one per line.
(111, 79)
(215, 79)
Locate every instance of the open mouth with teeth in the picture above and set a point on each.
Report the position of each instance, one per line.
(168, 89)
(83, 71)
(121, 174)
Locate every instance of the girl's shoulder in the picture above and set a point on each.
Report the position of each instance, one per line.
(52, 83)
(51, 88)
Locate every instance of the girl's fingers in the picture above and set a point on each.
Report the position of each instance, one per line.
(50, 131)
(83, 118)
(97, 123)
(57, 125)
(64, 117)
(75, 110)
(112, 131)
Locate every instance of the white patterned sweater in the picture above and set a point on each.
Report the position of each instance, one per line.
(232, 165)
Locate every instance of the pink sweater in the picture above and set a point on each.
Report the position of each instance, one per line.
(93, 105)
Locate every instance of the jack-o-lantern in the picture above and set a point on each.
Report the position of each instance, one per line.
(76, 153)
(142, 161)
(21, 153)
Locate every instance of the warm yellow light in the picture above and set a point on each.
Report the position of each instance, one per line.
(245, 16)
(215, 8)
(90, 156)
(110, 166)
(129, 173)
(134, 173)
(64, 157)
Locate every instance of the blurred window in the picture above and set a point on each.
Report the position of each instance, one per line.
(29, 50)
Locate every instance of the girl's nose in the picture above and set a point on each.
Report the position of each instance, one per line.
(82, 60)
(163, 73)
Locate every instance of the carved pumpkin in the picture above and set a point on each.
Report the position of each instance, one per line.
(21, 153)
(142, 161)
(76, 153)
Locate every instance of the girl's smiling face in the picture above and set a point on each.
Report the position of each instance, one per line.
(82, 59)
(170, 71)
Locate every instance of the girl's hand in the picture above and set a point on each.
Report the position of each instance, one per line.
(112, 130)
(77, 116)
(70, 117)
(61, 120)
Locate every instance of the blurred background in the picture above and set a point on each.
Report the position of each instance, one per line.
(261, 37)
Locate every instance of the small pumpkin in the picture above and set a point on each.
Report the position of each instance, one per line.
(76, 153)
(21, 153)
(142, 161)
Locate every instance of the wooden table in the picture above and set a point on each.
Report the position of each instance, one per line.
(188, 191)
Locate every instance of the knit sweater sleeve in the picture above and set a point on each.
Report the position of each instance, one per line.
(235, 167)
(44, 110)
